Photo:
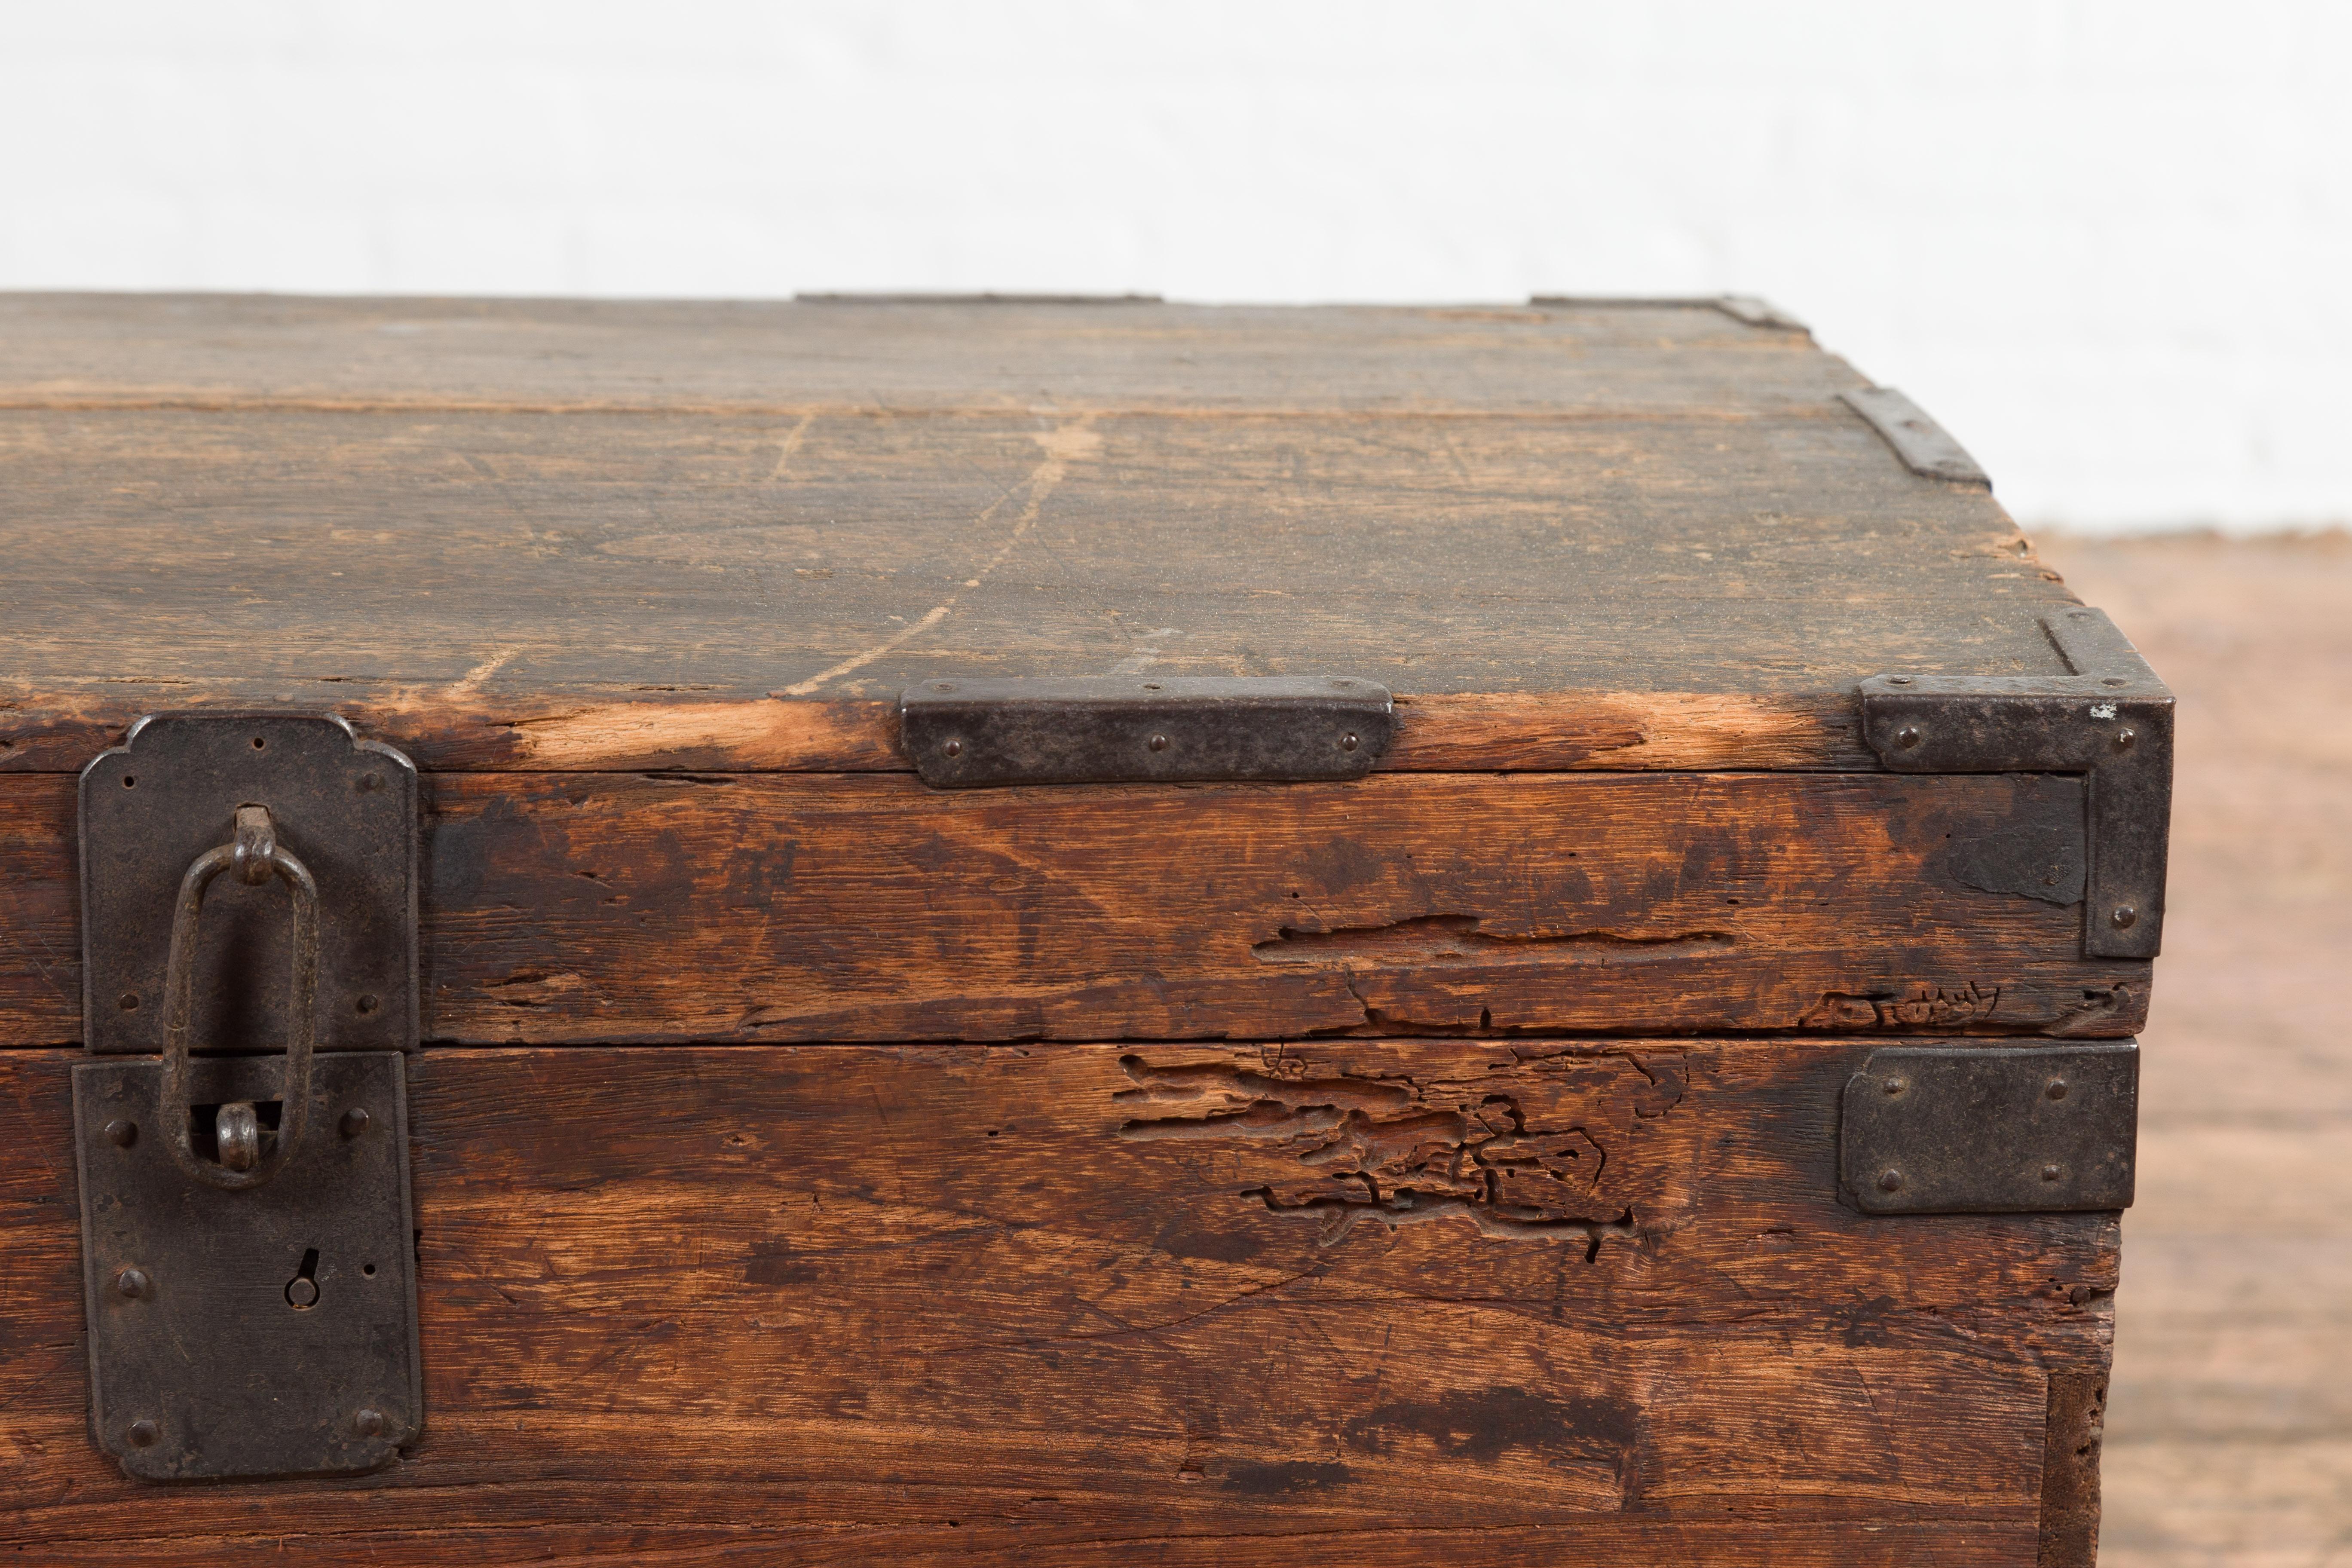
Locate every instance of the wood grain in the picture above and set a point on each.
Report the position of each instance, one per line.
(1070, 1304)
(602, 908)
(97, 351)
(1617, 537)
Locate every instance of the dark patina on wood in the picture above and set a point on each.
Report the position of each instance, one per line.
(590, 907)
(1644, 536)
(1437, 1158)
(1348, 1301)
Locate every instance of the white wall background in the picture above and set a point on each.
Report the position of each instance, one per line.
(2108, 242)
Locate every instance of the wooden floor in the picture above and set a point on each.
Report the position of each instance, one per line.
(2230, 1429)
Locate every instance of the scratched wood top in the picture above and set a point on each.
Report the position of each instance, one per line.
(725, 535)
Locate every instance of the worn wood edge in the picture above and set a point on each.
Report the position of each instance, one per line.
(204, 400)
(450, 729)
(2070, 1469)
(1954, 1540)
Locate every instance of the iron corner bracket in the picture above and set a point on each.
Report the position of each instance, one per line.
(2110, 719)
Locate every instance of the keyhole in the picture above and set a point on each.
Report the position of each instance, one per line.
(302, 1290)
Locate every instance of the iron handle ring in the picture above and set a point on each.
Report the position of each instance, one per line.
(258, 857)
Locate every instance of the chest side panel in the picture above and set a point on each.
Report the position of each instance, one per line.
(1074, 1300)
(582, 907)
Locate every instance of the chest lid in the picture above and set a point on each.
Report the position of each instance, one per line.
(1564, 669)
(568, 536)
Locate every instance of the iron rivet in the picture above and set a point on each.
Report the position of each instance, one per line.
(2124, 738)
(2113, 680)
(368, 1422)
(954, 748)
(1908, 736)
(365, 1005)
(356, 1121)
(1348, 743)
(1890, 1182)
(122, 1134)
(128, 1000)
(301, 1293)
(143, 1434)
(1898, 680)
(370, 782)
(2125, 918)
(943, 685)
(1897, 1084)
(1159, 743)
(2050, 1173)
(131, 1282)
(2057, 1090)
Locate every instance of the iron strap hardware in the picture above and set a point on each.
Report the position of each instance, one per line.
(2110, 719)
(1925, 448)
(248, 1260)
(1991, 1128)
(968, 733)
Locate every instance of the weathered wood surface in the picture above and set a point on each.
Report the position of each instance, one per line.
(590, 907)
(139, 351)
(556, 536)
(1083, 1304)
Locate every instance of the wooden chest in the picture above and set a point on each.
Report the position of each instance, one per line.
(1064, 930)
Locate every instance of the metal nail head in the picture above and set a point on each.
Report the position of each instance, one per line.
(368, 1422)
(2125, 918)
(132, 1283)
(142, 1433)
(356, 1121)
(122, 1134)
(1907, 737)
(1890, 1182)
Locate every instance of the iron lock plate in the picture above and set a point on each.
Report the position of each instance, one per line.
(250, 1264)
(346, 806)
(265, 1333)
(1991, 1130)
(965, 732)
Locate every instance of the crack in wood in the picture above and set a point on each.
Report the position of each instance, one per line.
(1454, 939)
